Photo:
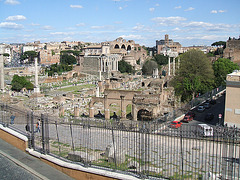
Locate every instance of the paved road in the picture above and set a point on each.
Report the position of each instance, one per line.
(16, 164)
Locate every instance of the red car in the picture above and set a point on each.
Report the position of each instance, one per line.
(187, 118)
(175, 124)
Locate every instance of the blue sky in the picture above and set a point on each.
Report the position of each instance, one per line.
(190, 22)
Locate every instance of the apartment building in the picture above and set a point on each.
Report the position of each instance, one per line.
(232, 103)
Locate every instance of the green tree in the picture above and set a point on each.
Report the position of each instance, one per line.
(148, 67)
(195, 75)
(221, 68)
(19, 82)
(160, 59)
(30, 55)
(219, 43)
(123, 67)
(67, 59)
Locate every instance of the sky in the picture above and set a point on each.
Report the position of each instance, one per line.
(189, 22)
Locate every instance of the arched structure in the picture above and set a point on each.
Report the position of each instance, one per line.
(121, 97)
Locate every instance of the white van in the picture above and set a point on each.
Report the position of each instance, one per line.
(204, 130)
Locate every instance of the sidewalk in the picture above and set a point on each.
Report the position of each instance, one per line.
(30, 163)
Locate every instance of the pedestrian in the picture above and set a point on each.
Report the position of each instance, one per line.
(38, 126)
(12, 119)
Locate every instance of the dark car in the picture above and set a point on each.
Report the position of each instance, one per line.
(190, 113)
(209, 117)
(213, 101)
(187, 118)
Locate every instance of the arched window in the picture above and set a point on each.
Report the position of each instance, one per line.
(123, 47)
(129, 48)
(116, 46)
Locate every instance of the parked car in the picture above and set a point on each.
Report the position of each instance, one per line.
(187, 118)
(200, 108)
(206, 105)
(213, 101)
(175, 124)
(190, 113)
(209, 117)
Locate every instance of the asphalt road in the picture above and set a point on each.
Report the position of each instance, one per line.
(216, 109)
(11, 170)
(16, 164)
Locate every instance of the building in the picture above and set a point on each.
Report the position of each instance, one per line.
(232, 103)
(232, 50)
(167, 43)
(48, 57)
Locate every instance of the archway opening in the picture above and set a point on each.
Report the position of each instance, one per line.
(116, 46)
(129, 48)
(144, 115)
(99, 110)
(123, 47)
(115, 110)
(129, 112)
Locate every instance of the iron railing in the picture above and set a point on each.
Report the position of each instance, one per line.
(142, 149)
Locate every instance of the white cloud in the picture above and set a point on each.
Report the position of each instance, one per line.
(35, 24)
(219, 11)
(63, 33)
(16, 18)
(76, 6)
(151, 9)
(80, 24)
(189, 9)
(214, 12)
(47, 27)
(157, 4)
(131, 36)
(222, 11)
(178, 7)
(138, 27)
(11, 25)
(120, 8)
(176, 29)
(168, 21)
(12, 2)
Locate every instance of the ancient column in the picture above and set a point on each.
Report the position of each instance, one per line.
(169, 66)
(134, 112)
(106, 108)
(36, 89)
(173, 66)
(76, 111)
(123, 107)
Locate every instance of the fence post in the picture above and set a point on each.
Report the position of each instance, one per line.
(28, 130)
(43, 134)
(32, 130)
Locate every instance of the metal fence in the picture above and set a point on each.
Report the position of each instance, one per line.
(143, 149)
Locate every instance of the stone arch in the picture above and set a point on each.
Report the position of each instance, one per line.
(114, 107)
(116, 46)
(144, 115)
(129, 48)
(129, 111)
(123, 46)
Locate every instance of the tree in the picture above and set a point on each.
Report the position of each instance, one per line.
(161, 59)
(148, 67)
(123, 67)
(19, 82)
(68, 59)
(195, 75)
(219, 43)
(30, 55)
(221, 68)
